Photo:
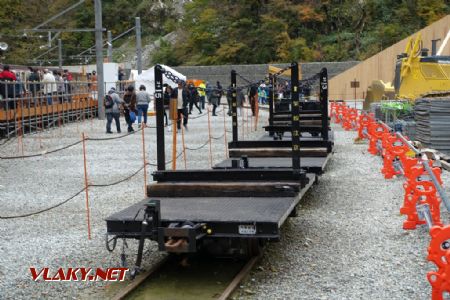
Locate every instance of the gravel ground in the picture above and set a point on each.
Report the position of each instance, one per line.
(347, 241)
(58, 238)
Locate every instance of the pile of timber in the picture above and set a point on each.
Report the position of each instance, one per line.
(432, 116)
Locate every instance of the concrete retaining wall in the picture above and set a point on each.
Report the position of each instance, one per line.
(257, 72)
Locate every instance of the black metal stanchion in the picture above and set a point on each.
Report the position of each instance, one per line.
(324, 102)
(160, 147)
(295, 115)
(271, 100)
(234, 106)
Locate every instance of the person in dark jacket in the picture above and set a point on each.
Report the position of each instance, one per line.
(229, 99)
(253, 98)
(193, 100)
(182, 95)
(33, 80)
(129, 99)
(220, 91)
(208, 92)
(113, 113)
(215, 100)
(167, 95)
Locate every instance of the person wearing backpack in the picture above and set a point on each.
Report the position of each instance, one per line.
(129, 104)
(112, 104)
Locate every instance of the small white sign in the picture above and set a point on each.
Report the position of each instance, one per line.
(247, 229)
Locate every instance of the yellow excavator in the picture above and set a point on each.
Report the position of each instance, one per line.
(416, 75)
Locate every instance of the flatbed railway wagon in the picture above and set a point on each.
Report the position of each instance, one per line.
(234, 208)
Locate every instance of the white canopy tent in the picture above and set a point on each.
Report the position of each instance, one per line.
(147, 78)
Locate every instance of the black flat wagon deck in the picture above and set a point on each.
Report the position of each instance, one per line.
(222, 215)
(309, 164)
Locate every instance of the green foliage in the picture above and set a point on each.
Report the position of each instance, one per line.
(165, 55)
(118, 16)
(262, 31)
(228, 31)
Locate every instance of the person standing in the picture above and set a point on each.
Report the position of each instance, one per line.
(215, 100)
(208, 92)
(33, 79)
(112, 109)
(129, 103)
(167, 95)
(193, 98)
(142, 101)
(49, 82)
(229, 99)
(220, 91)
(60, 86)
(121, 78)
(240, 99)
(68, 78)
(253, 98)
(182, 96)
(202, 94)
(20, 89)
(7, 90)
(262, 93)
(94, 85)
(287, 90)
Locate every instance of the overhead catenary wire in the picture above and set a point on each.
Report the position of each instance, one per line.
(115, 38)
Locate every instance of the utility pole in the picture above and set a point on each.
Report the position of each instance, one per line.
(99, 58)
(60, 59)
(138, 45)
(109, 46)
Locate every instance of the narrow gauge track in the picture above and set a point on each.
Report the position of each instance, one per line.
(204, 278)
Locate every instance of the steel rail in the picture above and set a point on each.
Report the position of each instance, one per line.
(227, 292)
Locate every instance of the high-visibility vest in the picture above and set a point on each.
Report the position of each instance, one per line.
(202, 89)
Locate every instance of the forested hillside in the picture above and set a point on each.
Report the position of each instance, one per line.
(118, 16)
(257, 31)
(229, 31)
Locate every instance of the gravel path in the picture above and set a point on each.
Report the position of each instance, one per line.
(347, 241)
(58, 238)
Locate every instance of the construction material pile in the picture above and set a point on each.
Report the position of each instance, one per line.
(432, 117)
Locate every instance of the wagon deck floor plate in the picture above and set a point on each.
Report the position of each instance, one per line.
(310, 164)
(239, 210)
(305, 137)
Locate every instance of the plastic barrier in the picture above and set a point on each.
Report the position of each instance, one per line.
(376, 132)
(439, 254)
(423, 192)
(394, 149)
(350, 118)
(364, 122)
(420, 190)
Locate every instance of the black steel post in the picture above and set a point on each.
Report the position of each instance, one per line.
(295, 115)
(160, 147)
(324, 102)
(234, 106)
(271, 96)
(275, 93)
